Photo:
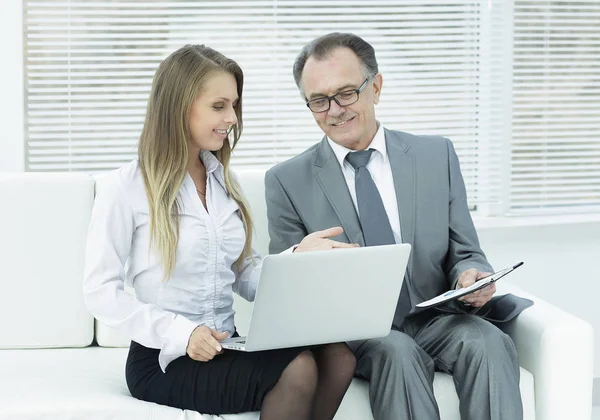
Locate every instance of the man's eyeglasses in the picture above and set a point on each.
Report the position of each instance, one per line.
(345, 98)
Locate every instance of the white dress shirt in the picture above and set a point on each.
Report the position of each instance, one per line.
(381, 172)
(163, 314)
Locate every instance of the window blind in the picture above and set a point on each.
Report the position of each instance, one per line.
(555, 149)
(89, 66)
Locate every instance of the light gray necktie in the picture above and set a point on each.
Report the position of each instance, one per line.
(374, 221)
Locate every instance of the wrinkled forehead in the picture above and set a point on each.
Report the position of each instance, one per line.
(337, 71)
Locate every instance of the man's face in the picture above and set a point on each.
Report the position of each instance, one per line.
(352, 126)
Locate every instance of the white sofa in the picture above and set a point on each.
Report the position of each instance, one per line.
(57, 363)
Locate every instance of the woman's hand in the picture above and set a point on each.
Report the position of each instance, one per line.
(203, 344)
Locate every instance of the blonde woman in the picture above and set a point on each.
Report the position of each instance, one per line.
(174, 224)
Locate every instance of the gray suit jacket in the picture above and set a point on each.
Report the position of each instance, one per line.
(309, 193)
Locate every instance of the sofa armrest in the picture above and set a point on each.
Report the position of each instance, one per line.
(557, 348)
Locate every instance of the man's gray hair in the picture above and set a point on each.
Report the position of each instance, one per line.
(323, 46)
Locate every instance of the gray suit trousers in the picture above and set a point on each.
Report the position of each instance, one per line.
(481, 359)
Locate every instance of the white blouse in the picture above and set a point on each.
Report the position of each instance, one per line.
(163, 314)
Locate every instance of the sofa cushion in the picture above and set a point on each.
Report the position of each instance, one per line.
(89, 383)
(84, 384)
(44, 219)
(252, 182)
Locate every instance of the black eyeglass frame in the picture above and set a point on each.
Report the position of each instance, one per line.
(333, 97)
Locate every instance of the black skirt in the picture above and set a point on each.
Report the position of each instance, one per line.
(233, 382)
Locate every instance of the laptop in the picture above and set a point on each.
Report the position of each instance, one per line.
(311, 298)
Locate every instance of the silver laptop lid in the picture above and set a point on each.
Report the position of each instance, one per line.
(326, 296)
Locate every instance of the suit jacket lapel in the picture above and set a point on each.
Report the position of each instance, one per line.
(403, 172)
(329, 175)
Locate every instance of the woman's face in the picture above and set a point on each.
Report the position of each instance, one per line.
(213, 113)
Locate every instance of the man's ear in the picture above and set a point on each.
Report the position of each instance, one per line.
(377, 84)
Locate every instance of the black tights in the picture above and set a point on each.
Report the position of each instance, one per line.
(312, 386)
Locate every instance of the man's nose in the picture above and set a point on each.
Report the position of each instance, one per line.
(335, 109)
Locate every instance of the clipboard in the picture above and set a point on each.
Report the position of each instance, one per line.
(479, 284)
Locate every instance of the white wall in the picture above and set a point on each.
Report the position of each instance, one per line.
(11, 87)
(560, 264)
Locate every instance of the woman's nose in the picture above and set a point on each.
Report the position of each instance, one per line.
(231, 117)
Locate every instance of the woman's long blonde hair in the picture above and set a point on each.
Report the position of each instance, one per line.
(163, 148)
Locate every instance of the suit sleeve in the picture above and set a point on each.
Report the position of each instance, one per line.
(285, 225)
(464, 251)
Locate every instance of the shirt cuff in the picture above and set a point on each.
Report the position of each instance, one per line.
(176, 341)
(290, 249)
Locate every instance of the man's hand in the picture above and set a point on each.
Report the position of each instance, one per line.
(204, 343)
(481, 296)
(317, 241)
